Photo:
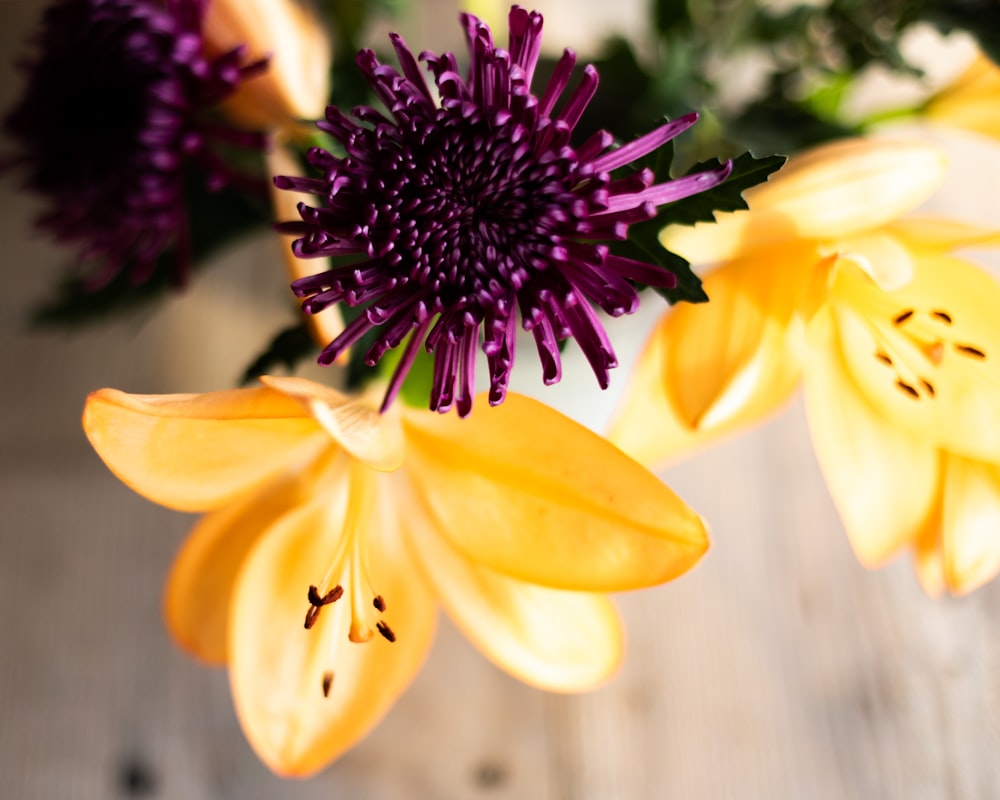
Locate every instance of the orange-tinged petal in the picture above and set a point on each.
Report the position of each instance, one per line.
(197, 452)
(883, 481)
(278, 669)
(970, 523)
(296, 83)
(529, 493)
(928, 561)
(741, 349)
(928, 356)
(832, 191)
(353, 422)
(645, 425)
(554, 640)
(200, 587)
(325, 325)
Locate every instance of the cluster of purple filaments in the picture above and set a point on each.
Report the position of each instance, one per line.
(457, 217)
(110, 122)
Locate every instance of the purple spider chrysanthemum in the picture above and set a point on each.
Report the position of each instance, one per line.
(110, 122)
(456, 217)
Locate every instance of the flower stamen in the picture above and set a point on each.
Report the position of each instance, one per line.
(925, 339)
(317, 601)
(386, 631)
(348, 567)
(969, 350)
(327, 682)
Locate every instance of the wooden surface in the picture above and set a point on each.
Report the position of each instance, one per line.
(778, 668)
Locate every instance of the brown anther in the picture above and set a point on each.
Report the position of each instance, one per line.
(386, 631)
(928, 386)
(969, 350)
(904, 386)
(944, 316)
(900, 318)
(379, 603)
(884, 358)
(312, 615)
(331, 596)
(327, 683)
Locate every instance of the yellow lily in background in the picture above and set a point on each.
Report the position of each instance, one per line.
(972, 102)
(325, 325)
(897, 341)
(296, 84)
(324, 514)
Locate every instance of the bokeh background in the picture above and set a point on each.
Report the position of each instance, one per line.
(778, 668)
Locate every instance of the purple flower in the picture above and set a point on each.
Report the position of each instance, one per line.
(109, 126)
(458, 217)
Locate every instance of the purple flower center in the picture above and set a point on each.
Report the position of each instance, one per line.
(455, 220)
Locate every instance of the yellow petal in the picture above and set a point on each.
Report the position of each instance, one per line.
(937, 235)
(928, 561)
(836, 190)
(885, 259)
(645, 425)
(970, 102)
(296, 84)
(943, 382)
(199, 590)
(353, 422)
(325, 325)
(554, 640)
(739, 352)
(277, 668)
(970, 523)
(883, 481)
(529, 493)
(197, 452)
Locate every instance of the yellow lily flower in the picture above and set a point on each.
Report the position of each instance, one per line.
(971, 102)
(323, 512)
(296, 84)
(896, 341)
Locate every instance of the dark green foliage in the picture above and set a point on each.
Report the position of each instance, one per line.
(286, 350)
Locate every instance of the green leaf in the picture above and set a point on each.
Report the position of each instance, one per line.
(747, 171)
(688, 288)
(671, 14)
(286, 350)
(216, 219)
(643, 244)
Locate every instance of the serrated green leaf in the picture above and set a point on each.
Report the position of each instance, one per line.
(688, 288)
(643, 244)
(287, 349)
(748, 171)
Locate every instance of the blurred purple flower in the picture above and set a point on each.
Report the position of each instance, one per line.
(109, 127)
